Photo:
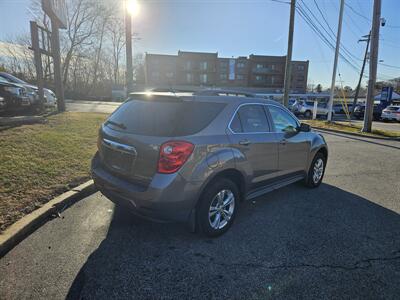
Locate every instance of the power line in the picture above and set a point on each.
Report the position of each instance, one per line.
(331, 30)
(318, 32)
(367, 19)
(350, 61)
(357, 13)
(389, 66)
(323, 17)
(322, 36)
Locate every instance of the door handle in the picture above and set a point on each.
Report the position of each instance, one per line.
(245, 142)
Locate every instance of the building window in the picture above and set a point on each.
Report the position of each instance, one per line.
(239, 77)
(272, 80)
(223, 64)
(203, 78)
(188, 65)
(300, 78)
(259, 78)
(259, 66)
(203, 65)
(272, 67)
(223, 76)
(169, 74)
(300, 68)
(240, 65)
(189, 77)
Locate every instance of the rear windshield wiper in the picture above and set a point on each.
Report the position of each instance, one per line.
(120, 125)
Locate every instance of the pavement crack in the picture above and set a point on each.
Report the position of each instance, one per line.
(358, 265)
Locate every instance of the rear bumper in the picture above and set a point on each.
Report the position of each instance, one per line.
(167, 198)
(390, 117)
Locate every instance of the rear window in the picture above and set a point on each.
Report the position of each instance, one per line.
(393, 108)
(165, 118)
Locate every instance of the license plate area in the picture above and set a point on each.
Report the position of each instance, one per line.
(119, 157)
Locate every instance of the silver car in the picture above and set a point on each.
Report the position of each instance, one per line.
(180, 157)
(306, 107)
(391, 113)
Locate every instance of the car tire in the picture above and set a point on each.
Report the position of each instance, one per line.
(316, 171)
(307, 114)
(215, 214)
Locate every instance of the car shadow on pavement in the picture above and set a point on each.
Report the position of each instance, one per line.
(293, 242)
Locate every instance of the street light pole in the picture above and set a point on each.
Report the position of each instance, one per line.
(128, 38)
(339, 31)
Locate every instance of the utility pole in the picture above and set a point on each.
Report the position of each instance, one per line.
(362, 70)
(373, 65)
(339, 31)
(288, 66)
(128, 38)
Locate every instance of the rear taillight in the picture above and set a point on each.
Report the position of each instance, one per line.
(173, 155)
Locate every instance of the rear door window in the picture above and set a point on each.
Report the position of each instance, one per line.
(164, 118)
(250, 119)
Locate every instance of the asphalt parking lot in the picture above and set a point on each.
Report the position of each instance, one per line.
(341, 240)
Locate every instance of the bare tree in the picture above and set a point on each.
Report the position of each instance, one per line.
(116, 33)
(92, 48)
(81, 19)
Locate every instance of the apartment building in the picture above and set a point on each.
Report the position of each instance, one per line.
(207, 69)
(195, 68)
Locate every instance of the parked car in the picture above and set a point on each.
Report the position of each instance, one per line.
(305, 108)
(195, 158)
(360, 109)
(338, 108)
(391, 113)
(50, 99)
(14, 97)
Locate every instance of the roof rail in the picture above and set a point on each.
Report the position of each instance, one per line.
(220, 92)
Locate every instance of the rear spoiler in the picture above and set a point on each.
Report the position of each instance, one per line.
(171, 97)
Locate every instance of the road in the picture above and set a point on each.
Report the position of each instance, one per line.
(91, 106)
(341, 240)
(109, 107)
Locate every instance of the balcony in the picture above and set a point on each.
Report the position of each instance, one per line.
(265, 71)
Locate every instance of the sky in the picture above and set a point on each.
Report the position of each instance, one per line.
(244, 27)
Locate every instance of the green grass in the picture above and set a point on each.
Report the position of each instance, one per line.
(346, 127)
(38, 162)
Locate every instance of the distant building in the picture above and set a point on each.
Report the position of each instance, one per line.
(197, 69)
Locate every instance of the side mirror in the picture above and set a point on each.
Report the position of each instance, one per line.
(304, 127)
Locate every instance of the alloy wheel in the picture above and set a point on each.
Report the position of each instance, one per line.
(318, 170)
(221, 209)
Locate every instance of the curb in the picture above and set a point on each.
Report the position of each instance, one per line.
(21, 120)
(21, 229)
(357, 134)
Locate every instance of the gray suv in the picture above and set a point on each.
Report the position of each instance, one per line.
(180, 157)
